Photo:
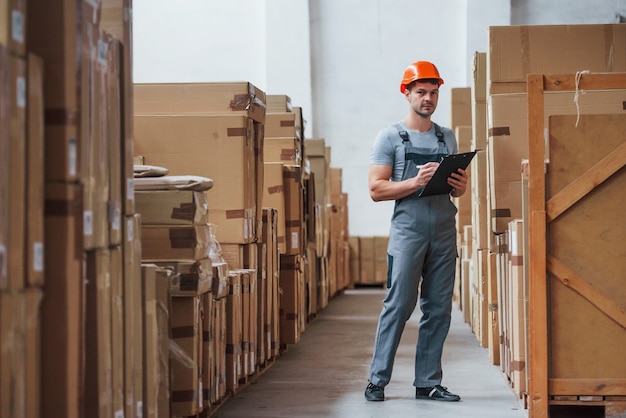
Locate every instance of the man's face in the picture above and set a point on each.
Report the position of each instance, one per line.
(423, 98)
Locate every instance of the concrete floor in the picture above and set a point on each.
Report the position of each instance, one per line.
(325, 374)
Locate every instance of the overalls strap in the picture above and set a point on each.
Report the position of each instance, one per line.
(405, 135)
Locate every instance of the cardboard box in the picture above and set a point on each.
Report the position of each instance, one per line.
(175, 242)
(233, 254)
(117, 328)
(290, 272)
(62, 35)
(102, 202)
(12, 358)
(310, 228)
(262, 332)
(367, 260)
(464, 203)
(219, 285)
(317, 154)
(516, 51)
(278, 103)
(98, 382)
(116, 19)
(62, 306)
(245, 321)
(172, 207)
(355, 259)
(133, 318)
(269, 240)
(238, 98)
(186, 334)
(274, 197)
(4, 170)
(115, 140)
(13, 26)
(461, 107)
(32, 350)
(234, 333)
(518, 317)
(208, 350)
(299, 123)
(283, 125)
(294, 209)
(34, 174)
(218, 147)
(15, 89)
(285, 150)
(156, 336)
(249, 319)
(189, 278)
(479, 180)
(218, 391)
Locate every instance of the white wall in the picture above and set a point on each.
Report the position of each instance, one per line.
(288, 46)
(198, 40)
(263, 42)
(359, 59)
(340, 60)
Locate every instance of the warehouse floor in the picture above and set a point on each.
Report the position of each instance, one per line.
(325, 374)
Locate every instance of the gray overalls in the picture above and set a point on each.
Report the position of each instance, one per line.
(422, 243)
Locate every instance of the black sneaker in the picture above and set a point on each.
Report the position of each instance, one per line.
(374, 393)
(436, 393)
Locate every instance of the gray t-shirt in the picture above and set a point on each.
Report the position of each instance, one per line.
(388, 148)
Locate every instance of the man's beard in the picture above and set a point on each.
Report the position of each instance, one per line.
(424, 114)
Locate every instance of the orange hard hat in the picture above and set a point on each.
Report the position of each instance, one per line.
(419, 70)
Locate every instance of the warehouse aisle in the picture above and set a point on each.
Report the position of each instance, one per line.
(325, 374)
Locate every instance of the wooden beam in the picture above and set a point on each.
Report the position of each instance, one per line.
(577, 189)
(585, 289)
(595, 81)
(538, 304)
(588, 386)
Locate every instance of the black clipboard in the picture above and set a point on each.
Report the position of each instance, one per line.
(438, 184)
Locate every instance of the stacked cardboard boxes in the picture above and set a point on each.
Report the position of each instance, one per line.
(370, 260)
(75, 197)
(176, 237)
(219, 131)
(21, 244)
(500, 180)
(226, 146)
(64, 178)
(283, 150)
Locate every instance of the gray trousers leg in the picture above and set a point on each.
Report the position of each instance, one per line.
(436, 305)
(437, 267)
(398, 306)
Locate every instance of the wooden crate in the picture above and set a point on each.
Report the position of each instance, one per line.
(577, 294)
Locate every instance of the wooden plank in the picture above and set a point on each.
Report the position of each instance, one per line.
(585, 289)
(589, 180)
(538, 325)
(596, 81)
(591, 386)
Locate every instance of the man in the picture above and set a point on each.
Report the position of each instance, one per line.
(422, 239)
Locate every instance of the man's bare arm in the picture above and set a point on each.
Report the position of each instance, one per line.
(382, 188)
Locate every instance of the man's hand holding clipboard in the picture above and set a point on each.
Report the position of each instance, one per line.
(438, 184)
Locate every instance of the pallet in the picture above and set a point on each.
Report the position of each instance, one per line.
(587, 406)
